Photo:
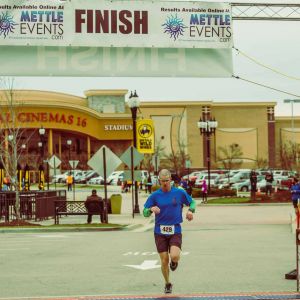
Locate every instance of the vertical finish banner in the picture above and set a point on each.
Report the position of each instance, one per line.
(145, 135)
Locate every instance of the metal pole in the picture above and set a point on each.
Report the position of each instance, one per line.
(105, 185)
(293, 133)
(208, 158)
(54, 165)
(47, 174)
(132, 176)
(73, 182)
(136, 206)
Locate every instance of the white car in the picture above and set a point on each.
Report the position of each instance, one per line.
(63, 177)
(60, 177)
(114, 177)
(96, 180)
(192, 176)
(214, 179)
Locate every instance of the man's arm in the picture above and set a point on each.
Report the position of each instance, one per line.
(147, 206)
(147, 212)
(192, 207)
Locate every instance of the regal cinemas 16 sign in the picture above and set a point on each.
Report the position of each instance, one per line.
(45, 117)
(145, 136)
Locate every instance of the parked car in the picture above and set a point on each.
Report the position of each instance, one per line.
(214, 179)
(96, 180)
(114, 176)
(245, 185)
(86, 176)
(154, 180)
(58, 178)
(192, 176)
(78, 175)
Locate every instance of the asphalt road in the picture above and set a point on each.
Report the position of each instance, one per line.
(216, 258)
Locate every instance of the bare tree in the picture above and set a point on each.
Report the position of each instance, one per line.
(12, 136)
(176, 160)
(289, 156)
(230, 156)
(261, 163)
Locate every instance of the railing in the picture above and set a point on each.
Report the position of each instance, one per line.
(34, 205)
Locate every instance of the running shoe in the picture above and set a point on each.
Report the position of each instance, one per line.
(173, 265)
(168, 288)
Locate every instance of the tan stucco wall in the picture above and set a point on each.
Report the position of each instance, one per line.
(245, 124)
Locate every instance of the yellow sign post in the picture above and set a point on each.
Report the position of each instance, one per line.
(145, 136)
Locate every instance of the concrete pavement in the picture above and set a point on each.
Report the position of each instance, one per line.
(205, 215)
(241, 251)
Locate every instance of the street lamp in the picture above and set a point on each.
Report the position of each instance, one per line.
(292, 101)
(43, 141)
(134, 103)
(207, 128)
(69, 143)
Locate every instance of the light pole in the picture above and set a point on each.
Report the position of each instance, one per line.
(292, 101)
(23, 149)
(134, 103)
(207, 128)
(69, 143)
(41, 145)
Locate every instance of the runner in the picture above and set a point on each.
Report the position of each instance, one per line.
(167, 203)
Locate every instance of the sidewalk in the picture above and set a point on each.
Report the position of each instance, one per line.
(206, 215)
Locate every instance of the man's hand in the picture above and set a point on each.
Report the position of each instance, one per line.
(189, 215)
(155, 209)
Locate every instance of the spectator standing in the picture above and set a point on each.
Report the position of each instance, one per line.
(269, 180)
(69, 182)
(253, 184)
(204, 191)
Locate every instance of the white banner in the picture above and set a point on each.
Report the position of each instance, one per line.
(95, 23)
(122, 62)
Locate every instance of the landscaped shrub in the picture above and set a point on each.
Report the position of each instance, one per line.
(197, 193)
(279, 196)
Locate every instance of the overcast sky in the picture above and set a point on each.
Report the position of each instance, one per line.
(272, 43)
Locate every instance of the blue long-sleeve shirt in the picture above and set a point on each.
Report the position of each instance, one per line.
(295, 190)
(170, 204)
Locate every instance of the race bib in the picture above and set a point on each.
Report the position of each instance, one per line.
(167, 229)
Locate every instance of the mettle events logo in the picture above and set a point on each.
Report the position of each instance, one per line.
(7, 24)
(174, 26)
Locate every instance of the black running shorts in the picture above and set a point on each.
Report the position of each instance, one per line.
(164, 242)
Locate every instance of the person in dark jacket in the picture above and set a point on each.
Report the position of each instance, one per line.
(269, 180)
(94, 205)
(253, 184)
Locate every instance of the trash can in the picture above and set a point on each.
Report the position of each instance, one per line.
(116, 203)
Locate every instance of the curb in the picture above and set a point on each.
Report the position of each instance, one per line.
(63, 229)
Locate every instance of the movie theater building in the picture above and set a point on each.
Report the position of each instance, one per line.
(102, 117)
